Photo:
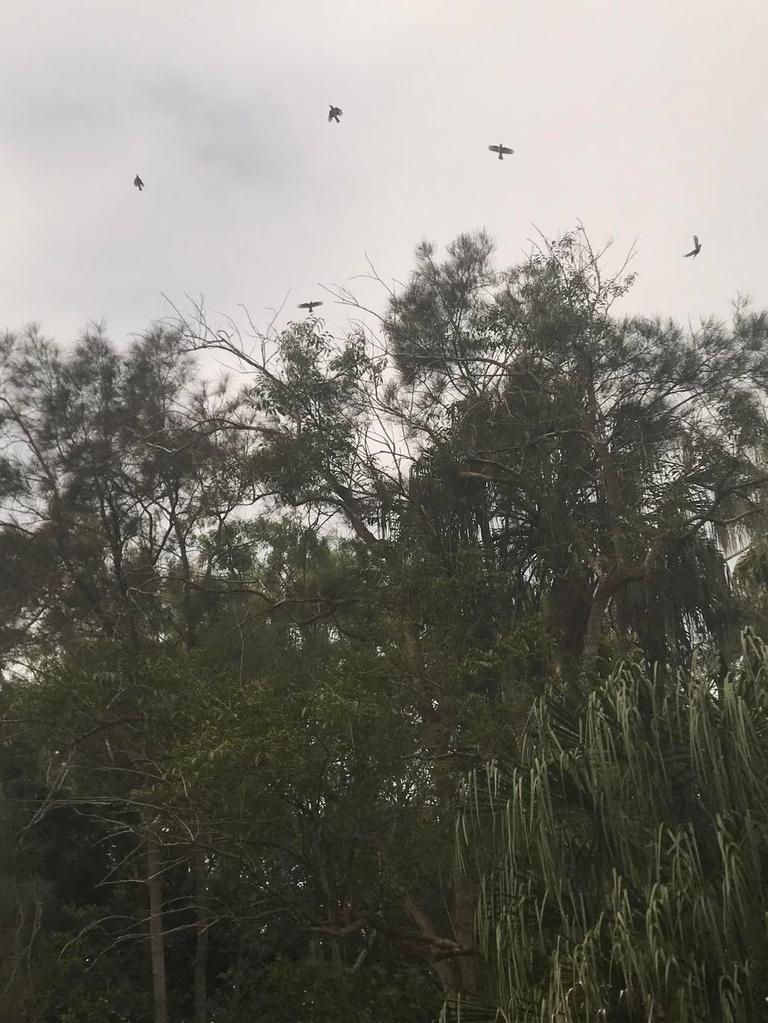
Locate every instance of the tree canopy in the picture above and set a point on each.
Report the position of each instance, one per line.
(257, 633)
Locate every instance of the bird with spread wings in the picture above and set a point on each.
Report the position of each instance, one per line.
(309, 305)
(501, 150)
(335, 113)
(696, 248)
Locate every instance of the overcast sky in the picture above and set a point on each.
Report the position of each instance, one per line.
(644, 118)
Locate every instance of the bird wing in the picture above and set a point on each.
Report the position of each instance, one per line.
(505, 150)
(330, 114)
(495, 149)
(696, 240)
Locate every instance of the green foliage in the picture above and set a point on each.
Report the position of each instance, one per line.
(624, 856)
(266, 633)
(317, 992)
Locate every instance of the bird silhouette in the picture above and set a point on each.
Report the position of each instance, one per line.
(334, 113)
(696, 248)
(501, 150)
(309, 305)
(138, 182)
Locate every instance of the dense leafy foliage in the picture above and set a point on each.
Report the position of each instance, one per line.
(256, 635)
(624, 856)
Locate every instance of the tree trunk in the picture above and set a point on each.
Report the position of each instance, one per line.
(597, 611)
(156, 939)
(457, 974)
(464, 903)
(201, 944)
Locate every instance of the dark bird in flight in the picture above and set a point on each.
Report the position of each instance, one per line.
(138, 182)
(696, 248)
(309, 305)
(501, 150)
(334, 113)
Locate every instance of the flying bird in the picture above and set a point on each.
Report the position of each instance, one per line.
(309, 305)
(696, 248)
(334, 113)
(138, 182)
(501, 150)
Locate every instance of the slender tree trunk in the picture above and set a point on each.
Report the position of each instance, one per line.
(201, 945)
(457, 974)
(597, 611)
(156, 939)
(190, 626)
(444, 966)
(464, 903)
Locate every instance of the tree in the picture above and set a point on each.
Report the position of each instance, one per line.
(261, 636)
(538, 485)
(112, 474)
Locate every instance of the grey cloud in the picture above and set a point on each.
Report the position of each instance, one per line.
(612, 110)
